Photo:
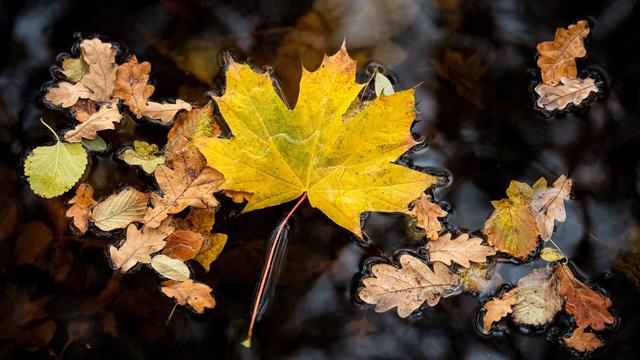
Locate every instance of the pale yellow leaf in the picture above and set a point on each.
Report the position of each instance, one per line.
(121, 209)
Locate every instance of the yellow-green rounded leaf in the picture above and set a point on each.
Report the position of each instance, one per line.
(551, 255)
(53, 170)
(143, 154)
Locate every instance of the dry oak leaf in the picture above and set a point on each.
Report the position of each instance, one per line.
(80, 210)
(497, 308)
(121, 209)
(91, 124)
(409, 286)
(101, 76)
(340, 156)
(196, 295)
(139, 245)
(512, 226)
(461, 250)
(582, 341)
(131, 85)
(66, 94)
(568, 91)
(198, 122)
(165, 112)
(187, 184)
(427, 214)
(548, 204)
(183, 245)
(557, 57)
(201, 221)
(588, 307)
(538, 298)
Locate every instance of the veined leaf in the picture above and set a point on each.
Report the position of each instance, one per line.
(120, 210)
(557, 57)
(568, 91)
(143, 154)
(173, 269)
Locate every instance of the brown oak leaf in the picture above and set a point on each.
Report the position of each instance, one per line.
(409, 286)
(165, 112)
(427, 214)
(201, 221)
(131, 85)
(139, 245)
(101, 76)
(80, 210)
(66, 94)
(183, 245)
(461, 250)
(187, 292)
(197, 122)
(91, 124)
(497, 308)
(557, 57)
(548, 204)
(588, 307)
(583, 341)
(187, 184)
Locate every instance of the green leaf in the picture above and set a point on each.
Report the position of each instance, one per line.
(382, 85)
(551, 255)
(53, 170)
(96, 145)
(143, 154)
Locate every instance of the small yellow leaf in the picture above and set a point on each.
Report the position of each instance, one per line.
(211, 250)
(143, 154)
(551, 255)
(74, 69)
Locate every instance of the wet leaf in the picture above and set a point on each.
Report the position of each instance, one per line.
(143, 154)
(211, 250)
(66, 94)
(80, 210)
(74, 69)
(52, 170)
(551, 255)
(131, 85)
(382, 85)
(187, 292)
(557, 57)
(187, 184)
(101, 76)
(583, 341)
(497, 308)
(588, 307)
(121, 209)
(170, 268)
(538, 298)
(427, 214)
(139, 245)
(409, 286)
(183, 245)
(279, 154)
(165, 112)
(479, 278)
(568, 91)
(91, 124)
(96, 145)
(461, 250)
(201, 221)
(512, 227)
(198, 122)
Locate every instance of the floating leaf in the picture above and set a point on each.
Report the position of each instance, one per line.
(121, 209)
(427, 214)
(211, 250)
(512, 227)
(409, 286)
(552, 255)
(96, 145)
(131, 85)
(568, 91)
(538, 298)
(81, 210)
(66, 94)
(139, 245)
(201, 221)
(557, 57)
(341, 159)
(74, 69)
(53, 170)
(382, 85)
(101, 76)
(143, 154)
(479, 278)
(196, 295)
(198, 122)
(497, 308)
(91, 124)
(461, 250)
(173, 269)
(183, 245)
(583, 341)
(165, 112)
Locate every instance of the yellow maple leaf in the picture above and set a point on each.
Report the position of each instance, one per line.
(333, 148)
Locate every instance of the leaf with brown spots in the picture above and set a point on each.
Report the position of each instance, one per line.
(427, 214)
(187, 292)
(80, 210)
(557, 57)
(497, 308)
(131, 85)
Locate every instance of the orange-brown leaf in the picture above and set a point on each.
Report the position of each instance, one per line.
(66, 94)
(80, 210)
(139, 245)
(583, 341)
(427, 214)
(101, 76)
(589, 308)
(196, 295)
(183, 245)
(461, 250)
(198, 122)
(557, 57)
(165, 112)
(497, 308)
(90, 125)
(131, 85)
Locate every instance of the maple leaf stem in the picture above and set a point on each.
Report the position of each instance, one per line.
(267, 269)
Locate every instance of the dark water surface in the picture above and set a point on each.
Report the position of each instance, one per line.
(481, 127)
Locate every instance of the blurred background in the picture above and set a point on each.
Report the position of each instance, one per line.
(475, 61)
